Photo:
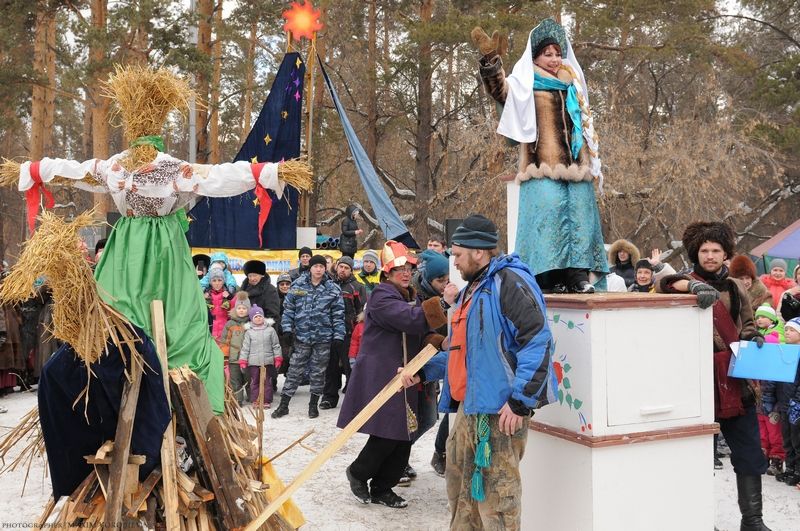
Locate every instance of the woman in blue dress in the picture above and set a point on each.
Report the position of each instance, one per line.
(546, 110)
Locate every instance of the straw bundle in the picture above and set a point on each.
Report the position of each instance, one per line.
(144, 98)
(297, 173)
(9, 172)
(28, 435)
(80, 317)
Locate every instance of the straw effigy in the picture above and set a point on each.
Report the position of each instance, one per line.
(80, 317)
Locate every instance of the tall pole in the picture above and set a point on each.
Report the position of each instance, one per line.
(305, 214)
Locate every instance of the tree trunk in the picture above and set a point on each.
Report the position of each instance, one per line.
(213, 104)
(422, 170)
(99, 104)
(39, 92)
(205, 12)
(372, 84)
(50, 90)
(248, 83)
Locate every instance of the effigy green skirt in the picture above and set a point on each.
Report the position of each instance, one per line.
(146, 259)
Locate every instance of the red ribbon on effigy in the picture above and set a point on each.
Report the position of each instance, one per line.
(33, 196)
(264, 200)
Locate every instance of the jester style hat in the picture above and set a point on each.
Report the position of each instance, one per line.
(546, 33)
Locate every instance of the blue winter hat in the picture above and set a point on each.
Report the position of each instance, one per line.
(436, 265)
(476, 232)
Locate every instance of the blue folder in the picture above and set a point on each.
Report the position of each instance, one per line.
(774, 362)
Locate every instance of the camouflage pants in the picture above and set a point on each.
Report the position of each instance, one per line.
(501, 481)
(307, 356)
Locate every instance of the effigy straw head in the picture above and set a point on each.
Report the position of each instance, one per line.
(144, 98)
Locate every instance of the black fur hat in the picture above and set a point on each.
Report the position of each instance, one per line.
(700, 232)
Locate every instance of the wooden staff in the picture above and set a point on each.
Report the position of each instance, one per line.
(363, 416)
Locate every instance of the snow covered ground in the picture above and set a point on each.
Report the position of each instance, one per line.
(326, 500)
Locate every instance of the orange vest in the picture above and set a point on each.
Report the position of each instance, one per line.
(457, 361)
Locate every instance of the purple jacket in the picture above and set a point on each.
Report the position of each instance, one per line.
(388, 315)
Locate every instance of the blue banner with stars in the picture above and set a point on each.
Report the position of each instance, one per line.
(232, 222)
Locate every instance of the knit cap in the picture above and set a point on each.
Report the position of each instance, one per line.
(793, 323)
(318, 259)
(304, 250)
(436, 265)
(644, 264)
(242, 299)
(476, 232)
(777, 262)
(345, 260)
(216, 273)
(255, 310)
(371, 256)
(765, 310)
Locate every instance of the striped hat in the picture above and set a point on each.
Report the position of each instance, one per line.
(793, 323)
(395, 254)
(765, 310)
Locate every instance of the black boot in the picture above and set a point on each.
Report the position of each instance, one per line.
(749, 488)
(283, 407)
(313, 412)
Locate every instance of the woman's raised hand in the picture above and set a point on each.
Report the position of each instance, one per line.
(489, 46)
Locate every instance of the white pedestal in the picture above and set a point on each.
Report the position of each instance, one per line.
(629, 446)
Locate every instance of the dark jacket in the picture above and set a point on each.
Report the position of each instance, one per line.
(295, 273)
(265, 295)
(354, 296)
(389, 315)
(775, 396)
(347, 241)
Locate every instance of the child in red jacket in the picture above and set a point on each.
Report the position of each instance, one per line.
(355, 339)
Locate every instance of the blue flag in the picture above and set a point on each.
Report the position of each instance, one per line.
(232, 222)
(382, 207)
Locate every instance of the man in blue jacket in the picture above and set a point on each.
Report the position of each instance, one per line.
(496, 371)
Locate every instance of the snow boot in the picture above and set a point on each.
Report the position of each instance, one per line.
(389, 499)
(313, 411)
(358, 487)
(283, 407)
(749, 489)
(439, 463)
(775, 466)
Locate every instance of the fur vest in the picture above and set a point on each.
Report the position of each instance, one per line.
(550, 156)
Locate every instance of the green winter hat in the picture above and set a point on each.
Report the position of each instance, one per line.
(765, 310)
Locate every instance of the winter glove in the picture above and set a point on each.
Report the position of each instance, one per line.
(706, 295)
(226, 305)
(489, 46)
(278, 362)
(794, 412)
(758, 340)
(774, 417)
(242, 363)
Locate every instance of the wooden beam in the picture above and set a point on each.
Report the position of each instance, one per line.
(169, 466)
(132, 460)
(122, 445)
(395, 385)
(143, 493)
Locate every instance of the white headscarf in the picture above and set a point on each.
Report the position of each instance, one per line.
(518, 121)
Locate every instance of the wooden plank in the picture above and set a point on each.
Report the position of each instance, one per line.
(102, 477)
(203, 522)
(131, 483)
(169, 466)
(189, 499)
(193, 411)
(104, 450)
(203, 494)
(395, 385)
(144, 492)
(132, 460)
(226, 474)
(116, 489)
(185, 482)
(51, 503)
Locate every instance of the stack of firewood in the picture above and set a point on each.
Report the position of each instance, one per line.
(222, 490)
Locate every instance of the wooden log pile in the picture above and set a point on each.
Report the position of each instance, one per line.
(222, 490)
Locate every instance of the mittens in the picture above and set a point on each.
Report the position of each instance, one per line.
(706, 295)
(278, 362)
(242, 363)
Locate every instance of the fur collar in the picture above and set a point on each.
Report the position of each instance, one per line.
(623, 245)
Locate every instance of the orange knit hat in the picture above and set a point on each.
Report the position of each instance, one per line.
(395, 254)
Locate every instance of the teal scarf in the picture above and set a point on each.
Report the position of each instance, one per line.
(573, 108)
